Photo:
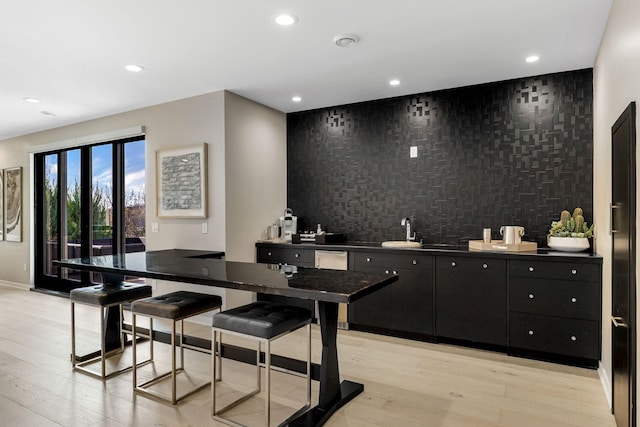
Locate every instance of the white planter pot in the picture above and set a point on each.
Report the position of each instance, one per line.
(568, 244)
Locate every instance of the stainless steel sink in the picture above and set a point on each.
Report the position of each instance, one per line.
(401, 244)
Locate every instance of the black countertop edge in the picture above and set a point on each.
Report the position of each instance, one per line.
(445, 249)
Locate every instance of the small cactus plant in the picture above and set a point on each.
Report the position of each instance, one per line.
(571, 225)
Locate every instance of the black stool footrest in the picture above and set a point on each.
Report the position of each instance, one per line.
(110, 294)
(262, 319)
(177, 305)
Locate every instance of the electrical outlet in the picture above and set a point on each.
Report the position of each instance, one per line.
(24, 267)
(413, 152)
(205, 228)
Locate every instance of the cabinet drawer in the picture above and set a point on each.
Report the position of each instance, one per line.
(555, 270)
(293, 256)
(368, 261)
(570, 337)
(580, 300)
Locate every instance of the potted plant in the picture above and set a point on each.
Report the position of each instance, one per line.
(571, 233)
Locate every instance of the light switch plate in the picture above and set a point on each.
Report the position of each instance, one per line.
(413, 152)
(204, 228)
(154, 227)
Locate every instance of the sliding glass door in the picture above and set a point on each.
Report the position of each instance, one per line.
(89, 201)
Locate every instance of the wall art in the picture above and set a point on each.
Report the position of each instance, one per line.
(1, 204)
(181, 179)
(13, 204)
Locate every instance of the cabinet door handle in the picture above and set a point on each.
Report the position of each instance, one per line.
(387, 271)
(619, 322)
(574, 271)
(484, 265)
(530, 331)
(453, 264)
(297, 255)
(531, 268)
(573, 338)
(414, 262)
(368, 259)
(531, 296)
(612, 206)
(574, 299)
(269, 253)
(395, 272)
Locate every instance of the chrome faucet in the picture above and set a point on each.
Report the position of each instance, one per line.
(407, 223)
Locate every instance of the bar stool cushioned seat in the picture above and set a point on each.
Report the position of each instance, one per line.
(263, 322)
(175, 306)
(104, 296)
(262, 319)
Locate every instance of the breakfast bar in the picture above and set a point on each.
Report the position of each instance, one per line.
(327, 287)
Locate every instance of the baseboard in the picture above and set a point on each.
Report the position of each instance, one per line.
(606, 384)
(23, 286)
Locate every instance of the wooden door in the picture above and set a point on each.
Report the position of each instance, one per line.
(623, 282)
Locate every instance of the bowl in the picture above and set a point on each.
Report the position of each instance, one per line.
(568, 244)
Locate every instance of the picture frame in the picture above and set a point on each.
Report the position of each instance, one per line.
(1, 204)
(12, 206)
(181, 182)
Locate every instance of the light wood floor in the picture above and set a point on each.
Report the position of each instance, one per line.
(407, 383)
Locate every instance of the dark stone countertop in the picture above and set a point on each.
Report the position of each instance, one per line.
(449, 250)
(206, 268)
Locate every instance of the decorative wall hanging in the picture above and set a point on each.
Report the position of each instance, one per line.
(181, 179)
(13, 204)
(1, 204)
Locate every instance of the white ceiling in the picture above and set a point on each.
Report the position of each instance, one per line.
(70, 53)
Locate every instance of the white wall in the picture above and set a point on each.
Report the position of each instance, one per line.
(616, 84)
(185, 122)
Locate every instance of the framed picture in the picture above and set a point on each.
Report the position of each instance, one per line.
(181, 180)
(13, 204)
(1, 204)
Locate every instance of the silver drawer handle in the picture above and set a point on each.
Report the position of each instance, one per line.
(573, 338)
(574, 271)
(574, 299)
(368, 259)
(619, 322)
(531, 296)
(395, 272)
(387, 271)
(415, 262)
(453, 264)
(269, 253)
(531, 268)
(297, 255)
(530, 331)
(484, 266)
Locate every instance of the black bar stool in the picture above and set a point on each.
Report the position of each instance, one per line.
(110, 294)
(263, 322)
(175, 306)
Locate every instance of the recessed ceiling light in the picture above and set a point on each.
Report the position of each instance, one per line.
(532, 58)
(134, 68)
(31, 100)
(286, 19)
(296, 99)
(394, 82)
(47, 113)
(345, 40)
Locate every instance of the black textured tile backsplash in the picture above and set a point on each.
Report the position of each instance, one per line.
(508, 153)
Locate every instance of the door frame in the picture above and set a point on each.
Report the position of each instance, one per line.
(628, 118)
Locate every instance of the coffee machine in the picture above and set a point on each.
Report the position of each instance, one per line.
(288, 225)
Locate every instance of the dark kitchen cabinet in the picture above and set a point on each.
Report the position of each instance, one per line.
(280, 254)
(555, 307)
(471, 299)
(405, 306)
(277, 254)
